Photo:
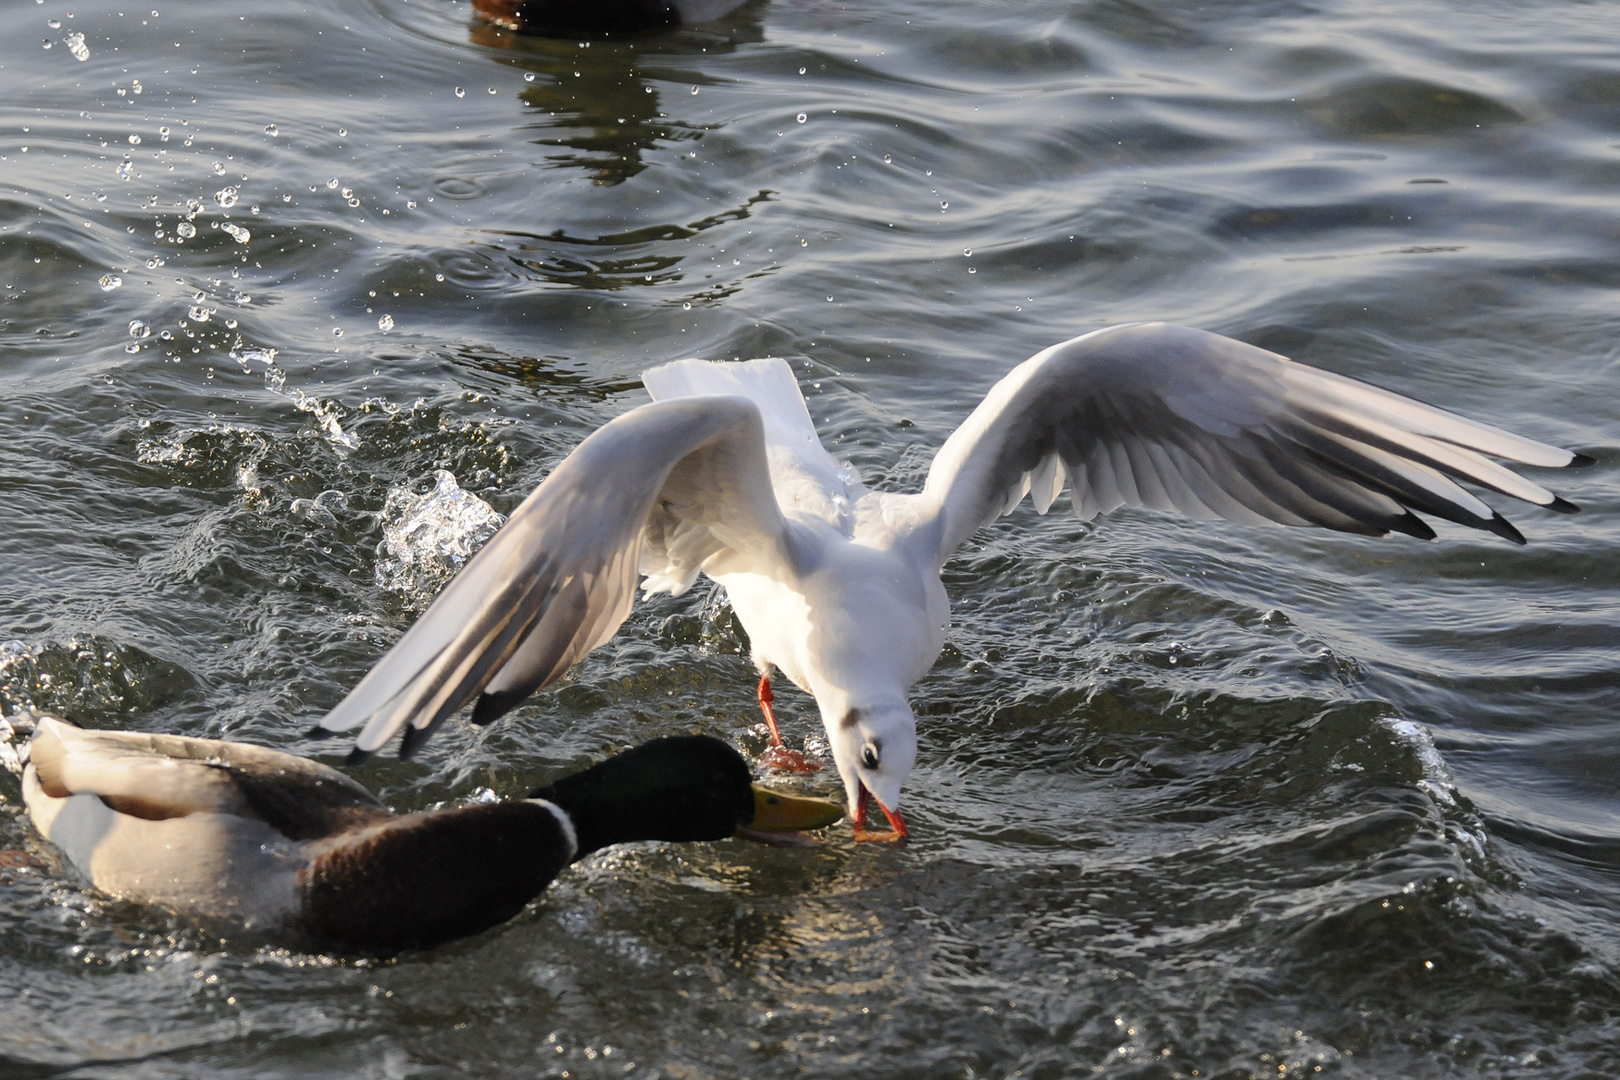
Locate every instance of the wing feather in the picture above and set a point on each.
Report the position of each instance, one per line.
(169, 776)
(1171, 418)
(663, 488)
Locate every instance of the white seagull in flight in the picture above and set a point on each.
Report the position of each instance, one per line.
(839, 587)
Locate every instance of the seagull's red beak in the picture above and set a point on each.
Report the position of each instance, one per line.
(896, 835)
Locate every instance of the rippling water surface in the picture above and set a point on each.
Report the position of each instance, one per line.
(1192, 800)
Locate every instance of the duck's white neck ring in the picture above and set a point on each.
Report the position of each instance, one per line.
(565, 821)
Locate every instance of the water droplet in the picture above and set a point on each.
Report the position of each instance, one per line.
(337, 331)
(136, 85)
(163, 134)
(226, 197)
(101, 196)
(804, 243)
(528, 76)
(186, 229)
(801, 71)
(331, 184)
(943, 205)
(493, 90)
(47, 43)
(288, 198)
(386, 323)
(687, 306)
(76, 46)
(132, 348)
(123, 170)
(801, 118)
(54, 24)
(887, 160)
(972, 270)
(967, 251)
(438, 277)
(237, 233)
(139, 329)
(230, 324)
(460, 92)
(353, 201)
(411, 205)
(109, 282)
(271, 130)
(343, 133)
(219, 168)
(829, 298)
(197, 313)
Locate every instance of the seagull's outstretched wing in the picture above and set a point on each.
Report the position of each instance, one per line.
(1172, 418)
(663, 489)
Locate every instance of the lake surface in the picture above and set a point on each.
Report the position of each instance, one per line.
(1192, 800)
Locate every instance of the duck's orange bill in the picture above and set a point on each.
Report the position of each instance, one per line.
(775, 811)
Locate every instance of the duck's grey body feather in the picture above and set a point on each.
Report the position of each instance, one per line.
(279, 843)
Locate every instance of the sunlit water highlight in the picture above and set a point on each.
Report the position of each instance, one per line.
(1192, 800)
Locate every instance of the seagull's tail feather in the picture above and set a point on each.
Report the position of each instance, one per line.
(768, 383)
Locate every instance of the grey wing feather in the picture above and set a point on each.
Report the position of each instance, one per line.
(1172, 418)
(662, 489)
(169, 776)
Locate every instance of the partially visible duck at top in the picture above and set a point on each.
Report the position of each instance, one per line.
(286, 846)
(568, 17)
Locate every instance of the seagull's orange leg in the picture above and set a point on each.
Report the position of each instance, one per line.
(779, 758)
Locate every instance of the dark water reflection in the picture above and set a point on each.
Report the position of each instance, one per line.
(1192, 800)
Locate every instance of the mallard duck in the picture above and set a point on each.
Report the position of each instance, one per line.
(281, 844)
(839, 586)
(602, 17)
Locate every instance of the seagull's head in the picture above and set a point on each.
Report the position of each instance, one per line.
(874, 748)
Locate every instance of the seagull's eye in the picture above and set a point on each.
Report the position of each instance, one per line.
(869, 756)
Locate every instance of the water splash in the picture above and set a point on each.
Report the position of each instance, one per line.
(427, 538)
(1438, 782)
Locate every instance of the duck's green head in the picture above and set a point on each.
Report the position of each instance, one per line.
(690, 787)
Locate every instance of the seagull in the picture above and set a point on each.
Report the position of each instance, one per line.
(839, 586)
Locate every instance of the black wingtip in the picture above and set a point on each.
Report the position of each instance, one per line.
(1581, 461)
(491, 707)
(1502, 527)
(413, 738)
(1563, 506)
(1412, 525)
(357, 757)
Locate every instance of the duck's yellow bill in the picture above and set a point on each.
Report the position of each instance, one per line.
(775, 811)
